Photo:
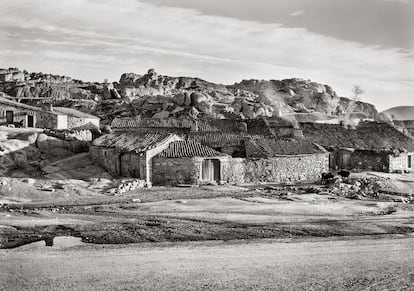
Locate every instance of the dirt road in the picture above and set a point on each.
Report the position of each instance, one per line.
(374, 264)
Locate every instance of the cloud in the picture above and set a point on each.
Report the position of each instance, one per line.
(92, 40)
(297, 13)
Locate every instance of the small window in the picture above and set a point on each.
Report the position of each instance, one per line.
(409, 161)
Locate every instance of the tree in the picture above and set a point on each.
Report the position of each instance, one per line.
(357, 91)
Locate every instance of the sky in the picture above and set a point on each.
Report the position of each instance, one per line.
(340, 43)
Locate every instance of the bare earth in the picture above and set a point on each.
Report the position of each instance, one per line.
(358, 264)
(209, 238)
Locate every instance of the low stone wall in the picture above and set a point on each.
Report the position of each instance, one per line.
(234, 170)
(304, 168)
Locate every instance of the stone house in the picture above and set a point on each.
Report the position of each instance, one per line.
(17, 114)
(224, 135)
(76, 118)
(279, 161)
(23, 115)
(189, 162)
(14, 113)
(223, 151)
(368, 146)
(130, 154)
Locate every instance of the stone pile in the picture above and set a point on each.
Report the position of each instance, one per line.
(130, 185)
(360, 188)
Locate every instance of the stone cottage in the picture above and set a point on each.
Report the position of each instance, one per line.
(369, 146)
(279, 161)
(17, 114)
(14, 113)
(76, 118)
(212, 150)
(130, 154)
(189, 162)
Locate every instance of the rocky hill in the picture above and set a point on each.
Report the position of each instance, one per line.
(400, 113)
(158, 96)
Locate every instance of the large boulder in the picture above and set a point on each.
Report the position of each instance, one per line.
(197, 98)
(205, 107)
(128, 79)
(162, 114)
(248, 110)
(179, 99)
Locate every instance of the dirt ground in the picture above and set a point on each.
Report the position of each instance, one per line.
(209, 238)
(342, 264)
(201, 214)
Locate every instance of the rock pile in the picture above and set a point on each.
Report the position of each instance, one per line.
(130, 185)
(360, 188)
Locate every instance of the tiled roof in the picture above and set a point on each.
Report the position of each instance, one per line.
(220, 139)
(72, 112)
(180, 149)
(274, 147)
(257, 126)
(125, 122)
(366, 136)
(131, 122)
(132, 141)
(17, 104)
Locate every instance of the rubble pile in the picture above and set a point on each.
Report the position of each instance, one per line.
(362, 187)
(130, 185)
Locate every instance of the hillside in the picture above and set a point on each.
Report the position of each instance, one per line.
(159, 96)
(400, 113)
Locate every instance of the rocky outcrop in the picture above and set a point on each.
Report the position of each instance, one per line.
(11, 75)
(159, 96)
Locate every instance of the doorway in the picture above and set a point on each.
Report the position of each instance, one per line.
(9, 117)
(30, 121)
(210, 170)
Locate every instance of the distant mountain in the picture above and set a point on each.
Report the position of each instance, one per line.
(400, 113)
(158, 96)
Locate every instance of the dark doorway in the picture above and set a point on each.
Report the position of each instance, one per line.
(410, 161)
(9, 117)
(30, 121)
(210, 170)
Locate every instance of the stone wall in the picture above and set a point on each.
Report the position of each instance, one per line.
(108, 158)
(47, 120)
(133, 165)
(234, 170)
(172, 171)
(303, 168)
(400, 163)
(74, 122)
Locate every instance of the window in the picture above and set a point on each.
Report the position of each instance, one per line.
(409, 161)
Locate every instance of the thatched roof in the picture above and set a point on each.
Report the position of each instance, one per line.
(366, 136)
(132, 141)
(273, 147)
(180, 149)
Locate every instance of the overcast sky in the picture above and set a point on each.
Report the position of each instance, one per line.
(335, 42)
